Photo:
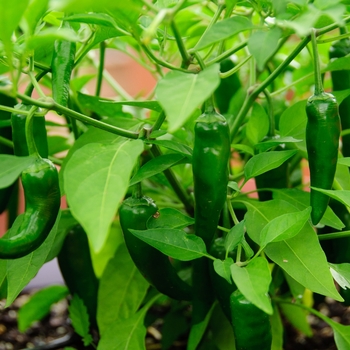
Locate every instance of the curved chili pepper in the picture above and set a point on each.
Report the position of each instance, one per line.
(154, 265)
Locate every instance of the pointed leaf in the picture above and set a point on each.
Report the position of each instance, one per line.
(234, 236)
(284, 227)
(341, 273)
(253, 281)
(170, 218)
(174, 243)
(223, 268)
(187, 91)
(96, 179)
(341, 196)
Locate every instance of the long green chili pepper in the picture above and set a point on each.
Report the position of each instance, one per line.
(75, 263)
(62, 65)
(341, 81)
(42, 202)
(154, 265)
(322, 141)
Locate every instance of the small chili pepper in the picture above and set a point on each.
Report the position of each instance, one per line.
(251, 325)
(74, 260)
(154, 265)
(211, 153)
(42, 203)
(322, 141)
(62, 65)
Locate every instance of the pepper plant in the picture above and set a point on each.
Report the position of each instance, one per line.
(195, 197)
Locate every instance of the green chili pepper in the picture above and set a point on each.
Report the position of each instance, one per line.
(18, 122)
(42, 202)
(5, 132)
(251, 325)
(341, 81)
(211, 153)
(322, 141)
(78, 273)
(227, 88)
(62, 65)
(154, 265)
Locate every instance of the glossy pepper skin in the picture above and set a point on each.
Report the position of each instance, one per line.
(341, 81)
(18, 122)
(154, 265)
(62, 65)
(5, 132)
(42, 203)
(75, 263)
(251, 326)
(322, 142)
(211, 153)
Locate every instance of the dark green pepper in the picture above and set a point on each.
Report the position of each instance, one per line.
(42, 202)
(18, 122)
(322, 141)
(62, 65)
(341, 81)
(74, 260)
(251, 326)
(154, 265)
(211, 153)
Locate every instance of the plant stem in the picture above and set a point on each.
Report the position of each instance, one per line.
(235, 69)
(159, 122)
(32, 150)
(227, 53)
(186, 59)
(37, 78)
(100, 68)
(169, 174)
(317, 68)
(335, 235)
(6, 142)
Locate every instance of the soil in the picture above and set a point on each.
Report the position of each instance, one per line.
(56, 328)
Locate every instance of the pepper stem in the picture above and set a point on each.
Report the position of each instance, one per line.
(318, 78)
(32, 149)
(137, 188)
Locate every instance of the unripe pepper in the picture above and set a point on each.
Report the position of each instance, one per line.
(74, 260)
(251, 326)
(42, 203)
(322, 141)
(153, 264)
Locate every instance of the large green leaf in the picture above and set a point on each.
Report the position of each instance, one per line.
(169, 218)
(341, 196)
(187, 92)
(253, 281)
(121, 303)
(301, 256)
(96, 179)
(223, 30)
(174, 243)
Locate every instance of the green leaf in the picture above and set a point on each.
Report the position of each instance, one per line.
(258, 124)
(301, 200)
(80, 319)
(39, 305)
(169, 218)
(341, 335)
(223, 30)
(198, 329)
(264, 162)
(341, 196)
(127, 334)
(187, 91)
(12, 167)
(301, 256)
(284, 227)
(297, 317)
(344, 161)
(174, 243)
(96, 179)
(21, 271)
(270, 143)
(156, 166)
(102, 19)
(34, 11)
(122, 302)
(277, 329)
(223, 268)
(173, 145)
(235, 236)
(253, 281)
(341, 273)
(262, 44)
